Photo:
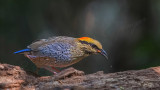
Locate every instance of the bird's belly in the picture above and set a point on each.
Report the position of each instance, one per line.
(50, 61)
(62, 63)
(41, 61)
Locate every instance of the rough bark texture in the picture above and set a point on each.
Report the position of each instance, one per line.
(14, 77)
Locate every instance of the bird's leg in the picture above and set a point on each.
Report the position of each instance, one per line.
(55, 69)
(50, 69)
(37, 69)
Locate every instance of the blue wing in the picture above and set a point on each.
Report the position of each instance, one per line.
(59, 51)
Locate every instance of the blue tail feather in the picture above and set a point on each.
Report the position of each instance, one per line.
(21, 51)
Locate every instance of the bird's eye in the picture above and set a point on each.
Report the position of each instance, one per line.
(94, 46)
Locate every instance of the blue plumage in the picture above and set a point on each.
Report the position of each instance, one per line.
(58, 50)
(21, 51)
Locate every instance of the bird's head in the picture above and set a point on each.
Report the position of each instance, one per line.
(91, 46)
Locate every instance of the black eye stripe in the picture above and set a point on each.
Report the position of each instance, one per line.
(92, 45)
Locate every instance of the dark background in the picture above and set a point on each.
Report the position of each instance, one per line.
(129, 30)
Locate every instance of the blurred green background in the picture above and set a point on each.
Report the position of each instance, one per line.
(129, 30)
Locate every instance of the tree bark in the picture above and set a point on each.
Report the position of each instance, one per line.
(14, 77)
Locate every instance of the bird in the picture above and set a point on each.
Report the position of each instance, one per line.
(61, 51)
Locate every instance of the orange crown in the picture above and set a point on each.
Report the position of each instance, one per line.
(90, 40)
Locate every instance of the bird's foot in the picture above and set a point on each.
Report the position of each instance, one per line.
(51, 70)
(68, 73)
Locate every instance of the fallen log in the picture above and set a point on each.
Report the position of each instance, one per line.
(14, 77)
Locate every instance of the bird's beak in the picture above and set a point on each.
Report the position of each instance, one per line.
(103, 53)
